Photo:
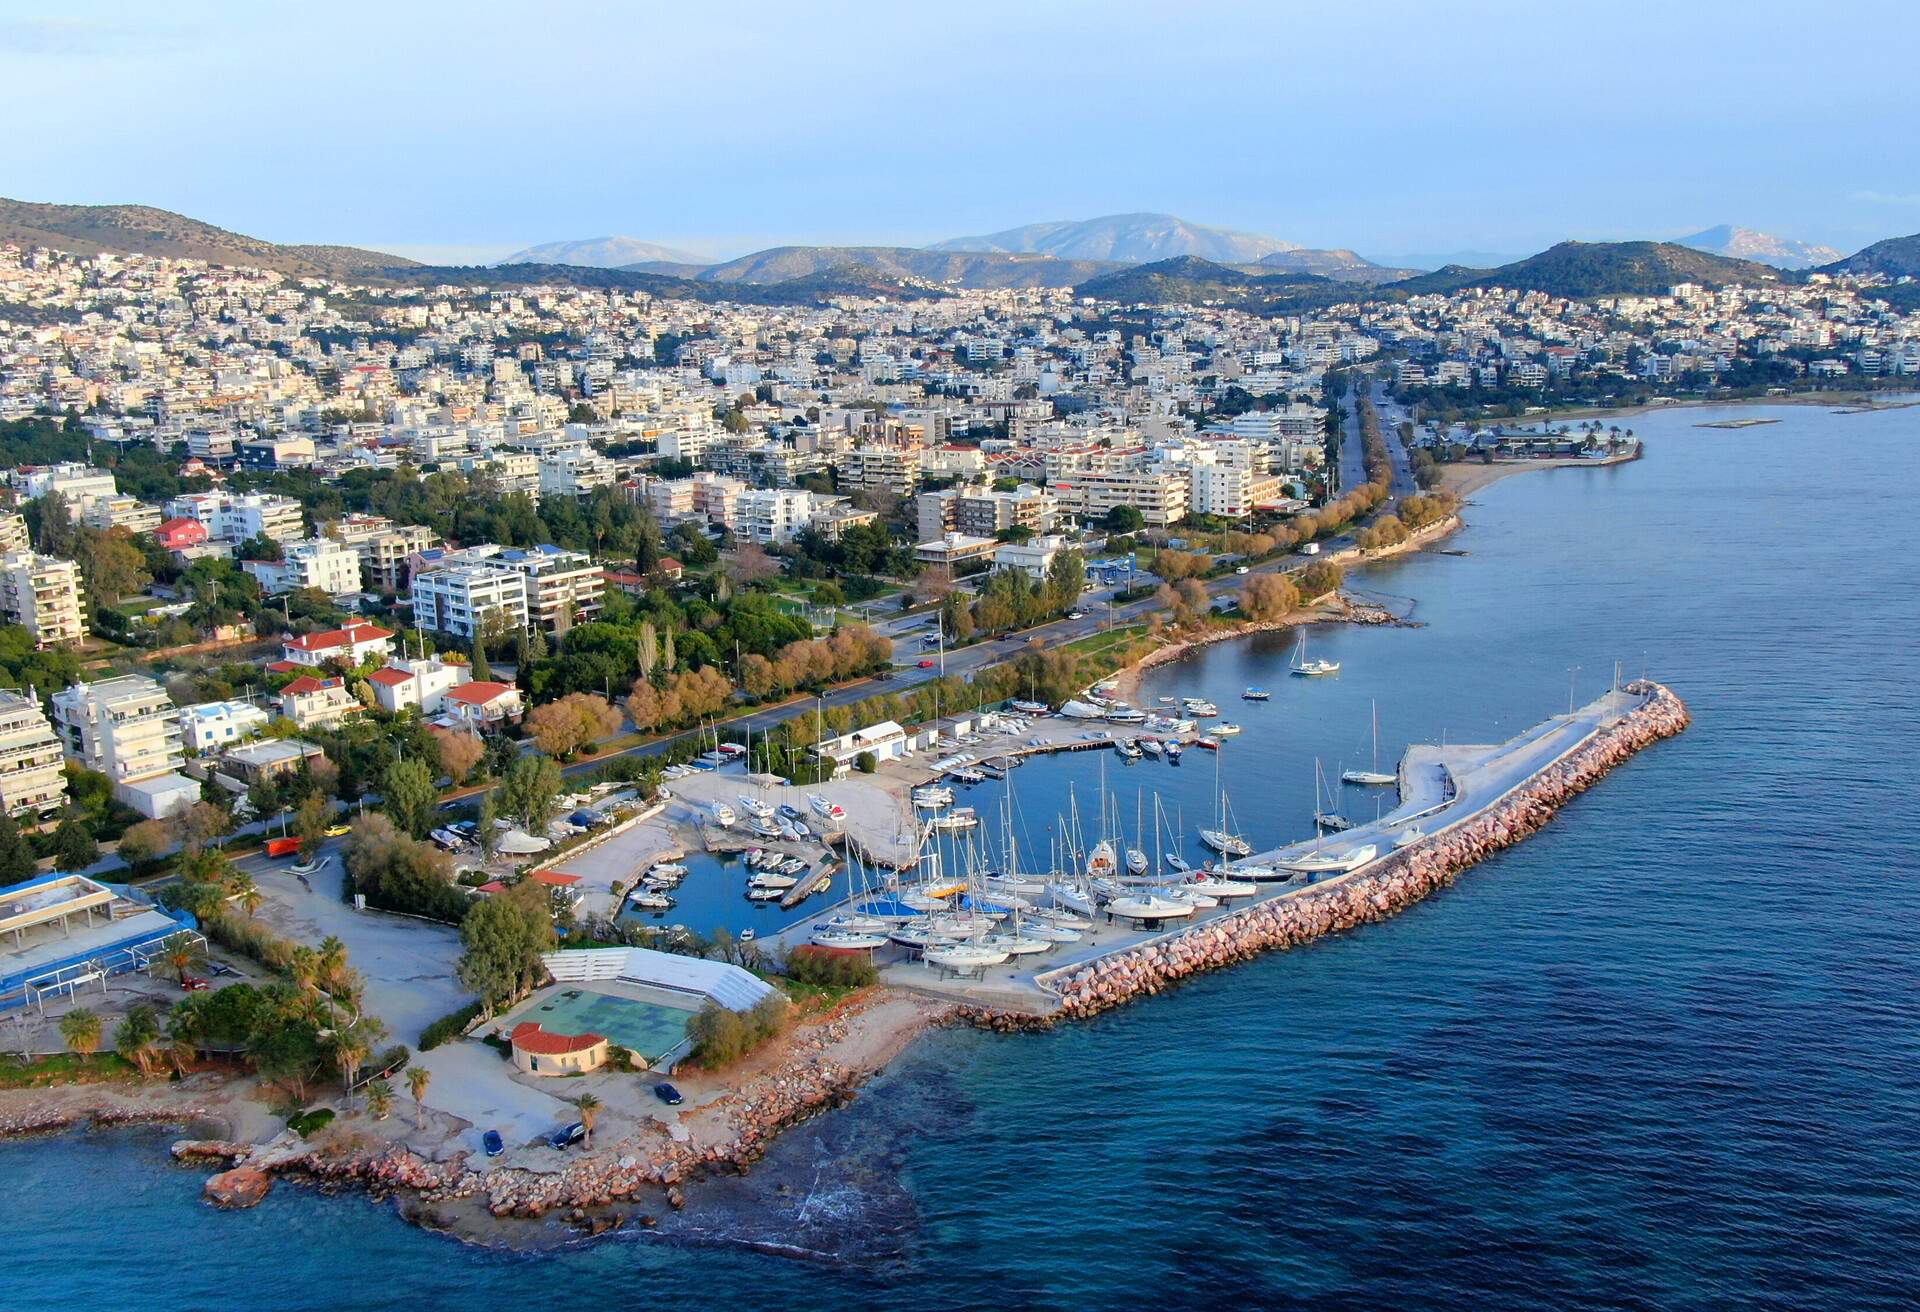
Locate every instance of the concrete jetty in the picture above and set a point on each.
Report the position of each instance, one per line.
(1457, 806)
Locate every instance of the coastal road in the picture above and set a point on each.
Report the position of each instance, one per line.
(1353, 465)
(1402, 484)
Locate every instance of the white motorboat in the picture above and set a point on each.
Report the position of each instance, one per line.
(1079, 710)
(1310, 669)
(649, 900)
(747, 935)
(1199, 706)
(968, 775)
(964, 956)
(1172, 749)
(847, 938)
(793, 865)
(1149, 906)
(1136, 861)
(1151, 746)
(1127, 715)
(826, 810)
(1255, 694)
(800, 828)
(789, 832)
(1052, 933)
(763, 828)
(722, 815)
(932, 798)
(765, 894)
(1344, 862)
(1072, 899)
(766, 879)
(753, 806)
(1224, 843)
(963, 818)
(1225, 730)
(1198, 900)
(1126, 749)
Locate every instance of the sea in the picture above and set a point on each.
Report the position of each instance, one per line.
(1664, 1054)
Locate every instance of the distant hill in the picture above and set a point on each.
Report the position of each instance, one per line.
(1340, 265)
(1609, 268)
(813, 288)
(1126, 239)
(1188, 280)
(1746, 244)
(143, 230)
(603, 253)
(964, 269)
(1896, 257)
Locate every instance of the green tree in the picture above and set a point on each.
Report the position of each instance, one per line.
(411, 799)
(380, 1099)
(310, 824)
(589, 1110)
(137, 1038)
(73, 846)
(482, 672)
(528, 791)
(16, 858)
(502, 939)
(81, 1030)
(1125, 519)
(418, 1078)
(485, 832)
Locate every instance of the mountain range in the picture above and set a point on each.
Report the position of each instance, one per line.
(1282, 275)
(1762, 247)
(603, 253)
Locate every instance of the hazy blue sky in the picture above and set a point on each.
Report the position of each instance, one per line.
(476, 128)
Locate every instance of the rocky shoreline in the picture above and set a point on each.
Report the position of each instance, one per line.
(1383, 890)
(598, 1191)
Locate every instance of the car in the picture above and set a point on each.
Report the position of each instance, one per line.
(492, 1142)
(193, 984)
(1240, 570)
(220, 968)
(667, 1094)
(567, 1136)
(336, 831)
(925, 665)
(1076, 614)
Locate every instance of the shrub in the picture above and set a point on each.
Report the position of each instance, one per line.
(866, 763)
(308, 1124)
(449, 1027)
(722, 1036)
(828, 968)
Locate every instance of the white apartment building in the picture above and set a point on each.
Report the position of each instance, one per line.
(457, 598)
(563, 588)
(1034, 556)
(774, 515)
(119, 511)
(13, 534)
(1159, 492)
(215, 726)
(332, 567)
(79, 484)
(575, 473)
(42, 595)
(127, 729)
(230, 518)
(383, 547)
(32, 780)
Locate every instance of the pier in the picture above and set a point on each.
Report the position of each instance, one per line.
(1456, 805)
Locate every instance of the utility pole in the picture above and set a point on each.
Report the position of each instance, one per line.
(1572, 672)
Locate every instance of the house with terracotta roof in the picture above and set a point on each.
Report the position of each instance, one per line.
(540, 1051)
(422, 683)
(483, 706)
(311, 702)
(350, 645)
(180, 534)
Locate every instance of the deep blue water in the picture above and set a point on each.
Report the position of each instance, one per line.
(1665, 1054)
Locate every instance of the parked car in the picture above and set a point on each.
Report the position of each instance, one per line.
(667, 1094)
(1241, 569)
(492, 1142)
(193, 984)
(1076, 614)
(926, 665)
(336, 831)
(567, 1136)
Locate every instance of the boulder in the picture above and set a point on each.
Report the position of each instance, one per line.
(239, 1188)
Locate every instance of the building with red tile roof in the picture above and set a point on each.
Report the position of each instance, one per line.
(350, 644)
(539, 1051)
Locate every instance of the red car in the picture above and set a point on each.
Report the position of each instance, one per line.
(193, 983)
(926, 665)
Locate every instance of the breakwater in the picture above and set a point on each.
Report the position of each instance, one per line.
(1382, 889)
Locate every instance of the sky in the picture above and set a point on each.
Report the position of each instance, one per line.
(462, 131)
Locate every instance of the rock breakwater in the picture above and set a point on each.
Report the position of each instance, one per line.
(1379, 891)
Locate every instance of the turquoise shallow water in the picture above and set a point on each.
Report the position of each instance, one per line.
(1664, 1054)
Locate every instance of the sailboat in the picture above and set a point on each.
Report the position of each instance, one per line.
(1310, 669)
(1325, 818)
(1376, 776)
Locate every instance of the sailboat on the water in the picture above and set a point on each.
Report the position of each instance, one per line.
(1310, 669)
(1376, 776)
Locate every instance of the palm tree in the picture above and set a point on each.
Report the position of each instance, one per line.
(138, 1037)
(81, 1029)
(350, 1050)
(380, 1099)
(240, 887)
(418, 1078)
(589, 1108)
(182, 953)
(186, 1026)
